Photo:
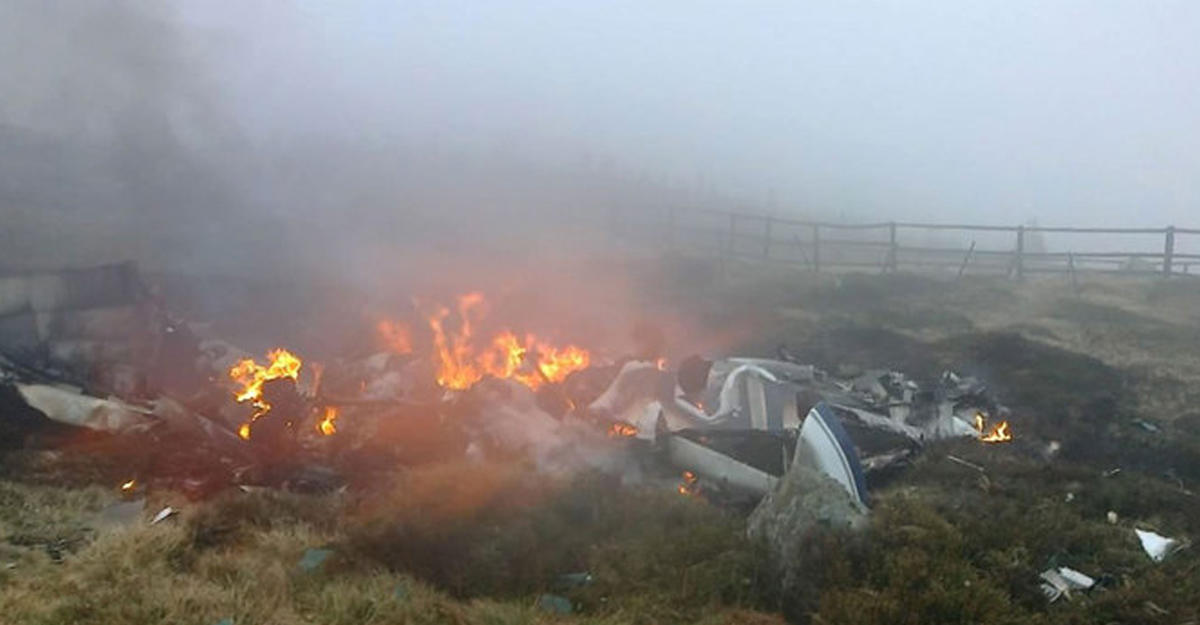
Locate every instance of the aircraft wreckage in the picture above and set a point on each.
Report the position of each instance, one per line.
(740, 424)
(734, 427)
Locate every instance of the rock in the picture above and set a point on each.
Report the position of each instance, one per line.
(805, 499)
(805, 502)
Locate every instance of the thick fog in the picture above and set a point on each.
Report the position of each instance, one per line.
(213, 136)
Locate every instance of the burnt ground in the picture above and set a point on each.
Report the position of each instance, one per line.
(1098, 379)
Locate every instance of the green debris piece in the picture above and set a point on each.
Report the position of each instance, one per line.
(226, 621)
(554, 604)
(401, 592)
(574, 580)
(314, 558)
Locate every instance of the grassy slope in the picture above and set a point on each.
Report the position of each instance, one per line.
(947, 543)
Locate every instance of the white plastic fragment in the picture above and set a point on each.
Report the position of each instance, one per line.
(1157, 546)
(1058, 583)
(1076, 579)
(163, 515)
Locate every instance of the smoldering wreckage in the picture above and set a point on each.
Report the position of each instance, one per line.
(95, 351)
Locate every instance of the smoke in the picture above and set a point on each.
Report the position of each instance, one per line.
(369, 143)
(121, 137)
(109, 129)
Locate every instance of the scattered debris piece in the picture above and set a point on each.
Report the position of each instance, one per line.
(718, 467)
(1112, 517)
(554, 604)
(1157, 546)
(313, 559)
(72, 407)
(1147, 425)
(574, 580)
(163, 515)
(1155, 609)
(957, 460)
(1058, 583)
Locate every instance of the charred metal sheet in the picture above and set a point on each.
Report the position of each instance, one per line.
(718, 467)
(74, 408)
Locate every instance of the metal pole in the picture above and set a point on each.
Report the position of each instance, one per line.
(1071, 267)
(893, 255)
(1169, 250)
(1020, 261)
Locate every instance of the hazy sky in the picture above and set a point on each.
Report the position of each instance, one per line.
(238, 133)
(1069, 112)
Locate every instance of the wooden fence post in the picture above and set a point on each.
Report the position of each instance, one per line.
(966, 259)
(1169, 250)
(767, 239)
(816, 248)
(893, 251)
(1071, 269)
(1020, 260)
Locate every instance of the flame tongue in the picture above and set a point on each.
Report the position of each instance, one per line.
(251, 376)
(999, 433)
(461, 362)
(326, 425)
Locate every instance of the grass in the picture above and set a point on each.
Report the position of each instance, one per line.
(472, 543)
(449, 544)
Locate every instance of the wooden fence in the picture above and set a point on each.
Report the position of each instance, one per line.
(893, 246)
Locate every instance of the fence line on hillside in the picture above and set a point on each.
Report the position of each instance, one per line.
(825, 246)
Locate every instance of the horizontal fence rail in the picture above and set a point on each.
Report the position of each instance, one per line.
(892, 246)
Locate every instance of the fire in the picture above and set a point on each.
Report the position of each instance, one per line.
(326, 426)
(622, 430)
(688, 487)
(456, 368)
(556, 364)
(1000, 433)
(528, 360)
(251, 376)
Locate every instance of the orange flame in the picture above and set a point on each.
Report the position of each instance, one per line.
(326, 426)
(1000, 433)
(251, 376)
(622, 430)
(556, 364)
(688, 487)
(529, 361)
